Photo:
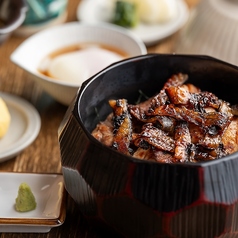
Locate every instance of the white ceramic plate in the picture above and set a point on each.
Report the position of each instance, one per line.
(24, 127)
(94, 11)
(50, 196)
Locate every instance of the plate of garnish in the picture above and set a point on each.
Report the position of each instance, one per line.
(31, 203)
(19, 125)
(151, 20)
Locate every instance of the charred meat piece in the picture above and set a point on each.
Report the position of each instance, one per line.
(199, 101)
(203, 156)
(161, 98)
(162, 156)
(230, 137)
(153, 154)
(206, 146)
(122, 125)
(180, 124)
(218, 119)
(191, 88)
(144, 154)
(163, 122)
(144, 106)
(176, 80)
(196, 132)
(182, 142)
(140, 115)
(166, 124)
(155, 137)
(104, 131)
(210, 142)
(234, 109)
(178, 95)
(226, 108)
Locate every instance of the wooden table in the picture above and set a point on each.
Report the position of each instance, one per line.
(43, 155)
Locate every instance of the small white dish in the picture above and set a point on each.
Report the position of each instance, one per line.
(24, 126)
(92, 11)
(50, 196)
(30, 54)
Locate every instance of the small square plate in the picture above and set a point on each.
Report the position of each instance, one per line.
(50, 196)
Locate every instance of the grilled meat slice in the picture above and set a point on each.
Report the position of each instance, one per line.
(203, 156)
(234, 109)
(155, 137)
(218, 119)
(178, 95)
(230, 137)
(161, 98)
(176, 80)
(210, 142)
(153, 154)
(182, 142)
(144, 106)
(144, 154)
(202, 100)
(196, 133)
(226, 108)
(191, 88)
(162, 156)
(104, 131)
(140, 114)
(122, 125)
(165, 123)
(180, 124)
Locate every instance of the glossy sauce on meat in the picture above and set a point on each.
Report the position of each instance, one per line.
(180, 124)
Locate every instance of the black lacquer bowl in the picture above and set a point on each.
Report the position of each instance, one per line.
(140, 198)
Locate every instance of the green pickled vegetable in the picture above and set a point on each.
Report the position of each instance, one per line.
(25, 200)
(125, 14)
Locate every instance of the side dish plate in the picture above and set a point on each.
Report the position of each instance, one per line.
(94, 11)
(50, 196)
(24, 127)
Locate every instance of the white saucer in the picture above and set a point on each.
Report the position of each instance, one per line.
(24, 127)
(50, 195)
(90, 11)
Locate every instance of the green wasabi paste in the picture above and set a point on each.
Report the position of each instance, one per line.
(25, 200)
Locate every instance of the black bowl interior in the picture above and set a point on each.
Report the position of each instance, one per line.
(147, 74)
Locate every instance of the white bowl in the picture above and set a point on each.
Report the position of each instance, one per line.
(33, 50)
(212, 30)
